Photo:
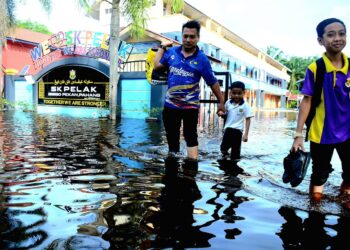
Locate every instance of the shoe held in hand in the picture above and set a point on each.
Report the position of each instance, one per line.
(295, 167)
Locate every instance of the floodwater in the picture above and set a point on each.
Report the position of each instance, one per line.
(73, 183)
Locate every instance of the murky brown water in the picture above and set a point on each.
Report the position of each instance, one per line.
(69, 183)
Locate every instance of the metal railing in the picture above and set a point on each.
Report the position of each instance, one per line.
(208, 119)
(133, 66)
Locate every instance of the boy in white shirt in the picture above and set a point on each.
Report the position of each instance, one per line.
(237, 111)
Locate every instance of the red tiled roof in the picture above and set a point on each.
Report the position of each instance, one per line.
(28, 35)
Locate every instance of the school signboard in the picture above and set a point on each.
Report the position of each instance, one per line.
(74, 86)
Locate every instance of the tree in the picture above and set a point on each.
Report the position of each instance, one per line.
(7, 22)
(297, 65)
(34, 26)
(135, 12)
(173, 6)
(275, 53)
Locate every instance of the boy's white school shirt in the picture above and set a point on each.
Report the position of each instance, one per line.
(236, 114)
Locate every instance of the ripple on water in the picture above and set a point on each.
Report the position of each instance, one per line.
(61, 188)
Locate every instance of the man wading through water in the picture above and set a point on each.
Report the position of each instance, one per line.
(186, 64)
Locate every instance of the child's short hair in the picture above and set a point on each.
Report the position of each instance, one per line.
(322, 25)
(237, 84)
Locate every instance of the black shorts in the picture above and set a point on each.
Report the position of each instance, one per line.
(172, 119)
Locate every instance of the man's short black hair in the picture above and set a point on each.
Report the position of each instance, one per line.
(237, 84)
(193, 24)
(322, 25)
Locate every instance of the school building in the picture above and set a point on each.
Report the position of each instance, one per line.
(68, 72)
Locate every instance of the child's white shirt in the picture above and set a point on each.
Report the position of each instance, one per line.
(236, 114)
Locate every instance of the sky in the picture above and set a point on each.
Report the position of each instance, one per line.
(289, 25)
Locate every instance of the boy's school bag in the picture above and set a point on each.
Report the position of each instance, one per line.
(316, 97)
(154, 77)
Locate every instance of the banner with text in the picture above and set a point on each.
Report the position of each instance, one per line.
(74, 86)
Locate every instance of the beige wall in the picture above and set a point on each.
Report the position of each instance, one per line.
(272, 101)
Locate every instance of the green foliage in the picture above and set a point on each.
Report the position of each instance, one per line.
(177, 5)
(7, 12)
(275, 53)
(34, 26)
(47, 5)
(21, 105)
(24, 106)
(153, 112)
(297, 65)
(4, 103)
(135, 11)
(292, 104)
(87, 5)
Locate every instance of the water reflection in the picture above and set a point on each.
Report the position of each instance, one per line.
(19, 232)
(140, 136)
(51, 176)
(229, 186)
(316, 231)
(78, 242)
(68, 183)
(172, 220)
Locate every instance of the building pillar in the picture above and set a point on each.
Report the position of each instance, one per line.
(283, 101)
(262, 98)
(9, 85)
(257, 98)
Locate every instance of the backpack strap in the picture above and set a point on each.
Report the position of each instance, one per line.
(320, 72)
(316, 97)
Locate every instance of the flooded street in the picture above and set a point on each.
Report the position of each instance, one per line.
(74, 183)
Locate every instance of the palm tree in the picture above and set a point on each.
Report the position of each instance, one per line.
(174, 6)
(298, 67)
(135, 12)
(7, 22)
(275, 53)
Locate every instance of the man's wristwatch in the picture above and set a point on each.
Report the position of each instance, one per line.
(163, 47)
